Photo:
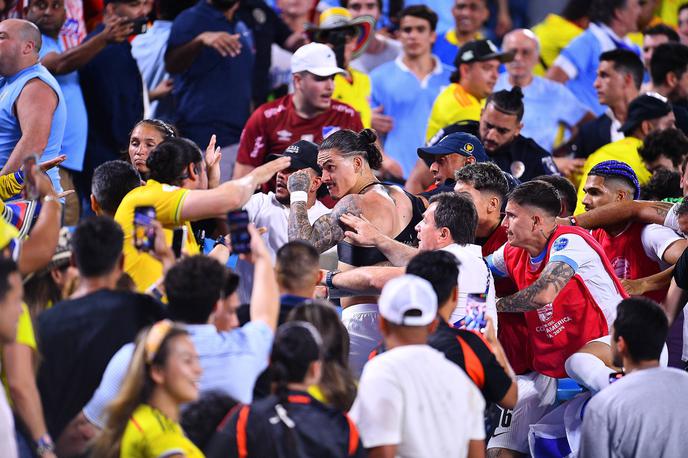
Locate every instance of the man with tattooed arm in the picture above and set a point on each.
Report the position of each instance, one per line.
(568, 292)
(347, 160)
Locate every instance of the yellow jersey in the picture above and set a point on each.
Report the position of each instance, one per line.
(554, 33)
(25, 336)
(355, 92)
(143, 268)
(624, 150)
(150, 434)
(667, 10)
(452, 105)
(637, 37)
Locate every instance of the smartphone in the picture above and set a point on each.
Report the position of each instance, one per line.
(238, 231)
(476, 307)
(179, 236)
(140, 26)
(144, 231)
(30, 186)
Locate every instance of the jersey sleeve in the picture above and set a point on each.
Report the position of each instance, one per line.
(378, 408)
(571, 249)
(25, 333)
(656, 239)
(11, 185)
(253, 141)
(168, 205)
(573, 58)
(671, 219)
(497, 263)
(182, 31)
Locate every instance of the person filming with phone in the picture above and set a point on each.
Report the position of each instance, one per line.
(176, 193)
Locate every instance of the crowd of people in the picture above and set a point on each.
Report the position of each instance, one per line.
(295, 228)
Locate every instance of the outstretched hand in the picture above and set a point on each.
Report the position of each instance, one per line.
(364, 232)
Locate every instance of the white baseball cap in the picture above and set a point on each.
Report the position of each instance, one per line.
(315, 58)
(408, 301)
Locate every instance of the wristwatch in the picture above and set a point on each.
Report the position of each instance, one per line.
(572, 220)
(329, 276)
(52, 199)
(44, 445)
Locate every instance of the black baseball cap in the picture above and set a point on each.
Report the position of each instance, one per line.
(650, 105)
(303, 154)
(480, 51)
(455, 143)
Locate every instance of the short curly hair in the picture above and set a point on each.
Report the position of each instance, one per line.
(671, 143)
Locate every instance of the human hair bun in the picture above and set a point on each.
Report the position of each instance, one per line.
(516, 91)
(369, 136)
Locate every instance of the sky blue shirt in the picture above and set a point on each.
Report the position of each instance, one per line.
(580, 60)
(10, 131)
(74, 142)
(149, 51)
(231, 363)
(409, 101)
(547, 103)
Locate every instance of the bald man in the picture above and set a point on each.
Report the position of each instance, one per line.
(549, 105)
(32, 108)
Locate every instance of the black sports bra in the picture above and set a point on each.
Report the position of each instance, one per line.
(358, 256)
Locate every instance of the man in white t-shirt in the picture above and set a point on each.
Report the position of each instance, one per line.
(271, 210)
(411, 400)
(448, 224)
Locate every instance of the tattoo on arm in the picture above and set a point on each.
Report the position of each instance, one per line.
(662, 208)
(552, 280)
(326, 231)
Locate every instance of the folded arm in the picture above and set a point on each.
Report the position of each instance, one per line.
(543, 291)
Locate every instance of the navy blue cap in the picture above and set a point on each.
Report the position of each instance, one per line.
(459, 143)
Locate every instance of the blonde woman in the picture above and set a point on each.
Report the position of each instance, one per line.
(143, 421)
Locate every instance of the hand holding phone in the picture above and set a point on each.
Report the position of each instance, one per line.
(238, 222)
(139, 25)
(476, 308)
(144, 231)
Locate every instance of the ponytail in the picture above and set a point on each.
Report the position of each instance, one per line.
(350, 143)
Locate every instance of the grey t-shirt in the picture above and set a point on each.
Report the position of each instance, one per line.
(366, 62)
(642, 415)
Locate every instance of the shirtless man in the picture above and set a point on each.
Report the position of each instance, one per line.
(347, 160)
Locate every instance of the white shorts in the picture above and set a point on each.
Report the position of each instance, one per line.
(361, 320)
(512, 430)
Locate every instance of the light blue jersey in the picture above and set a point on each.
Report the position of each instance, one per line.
(409, 101)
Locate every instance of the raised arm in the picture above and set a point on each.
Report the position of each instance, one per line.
(542, 292)
(231, 195)
(644, 211)
(265, 295)
(326, 231)
(362, 280)
(117, 29)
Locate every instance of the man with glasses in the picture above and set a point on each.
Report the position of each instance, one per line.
(549, 106)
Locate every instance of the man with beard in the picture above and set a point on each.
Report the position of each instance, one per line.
(500, 133)
(271, 210)
(210, 55)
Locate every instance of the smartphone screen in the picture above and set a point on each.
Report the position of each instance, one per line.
(144, 232)
(178, 241)
(238, 231)
(140, 26)
(476, 307)
(30, 186)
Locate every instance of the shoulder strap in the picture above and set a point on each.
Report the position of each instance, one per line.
(242, 445)
(353, 436)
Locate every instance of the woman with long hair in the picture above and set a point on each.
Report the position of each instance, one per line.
(290, 422)
(143, 420)
(337, 386)
(144, 137)
(348, 160)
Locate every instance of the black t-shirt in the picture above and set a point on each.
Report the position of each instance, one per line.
(592, 136)
(681, 271)
(76, 339)
(470, 352)
(318, 431)
(681, 114)
(267, 28)
(524, 159)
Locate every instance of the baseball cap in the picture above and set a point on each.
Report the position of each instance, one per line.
(315, 58)
(480, 51)
(650, 105)
(408, 301)
(303, 154)
(461, 143)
